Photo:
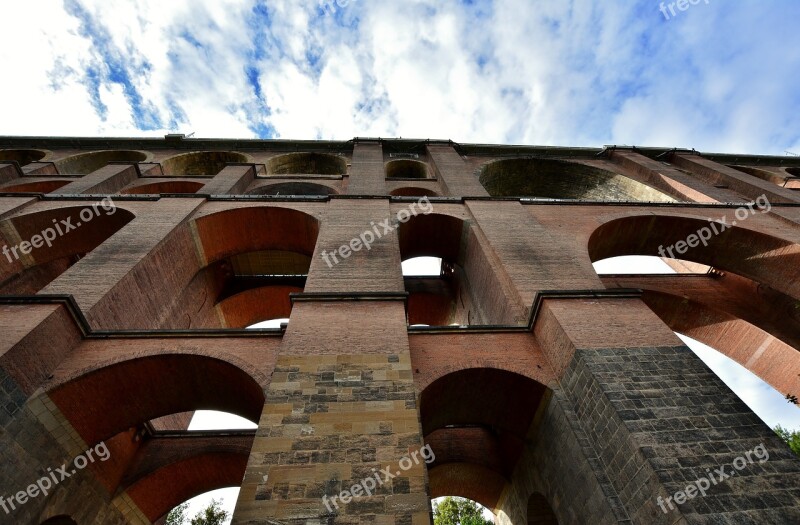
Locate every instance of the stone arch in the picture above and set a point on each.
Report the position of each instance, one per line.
(764, 258)
(412, 191)
(200, 163)
(22, 156)
(477, 439)
(560, 179)
(177, 186)
(23, 274)
(307, 164)
(153, 386)
(406, 169)
(293, 188)
(85, 163)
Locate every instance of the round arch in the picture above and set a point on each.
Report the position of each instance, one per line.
(307, 164)
(560, 179)
(412, 191)
(85, 163)
(763, 258)
(39, 186)
(475, 421)
(200, 163)
(293, 188)
(22, 273)
(177, 186)
(22, 156)
(406, 169)
(128, 392)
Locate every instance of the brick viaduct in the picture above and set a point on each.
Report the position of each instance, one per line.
(547, 393)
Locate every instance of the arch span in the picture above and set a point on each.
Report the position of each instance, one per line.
(22, 156)
(293, 188)
(406, 169)
(307, 164)
(199, 163)
(178, 186)
(560, 179)
(758, 256)
(85, 163)
(127, 393)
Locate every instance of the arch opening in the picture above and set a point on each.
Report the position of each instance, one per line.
(200, 163)
(60, 520)
(85, 163)
(24, 273)
(293, 188)
(794, 172)
(406, 169)
(559, 179)
(22, 157)
(42, 186)
(477, 439)
(307, 164)
(182, 186)
(256, 257)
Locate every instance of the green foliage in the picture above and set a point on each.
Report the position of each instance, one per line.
(792, 438)
(211, 515)
(177, 516)
(458, 511)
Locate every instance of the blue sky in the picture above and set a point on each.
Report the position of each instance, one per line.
(720, 76)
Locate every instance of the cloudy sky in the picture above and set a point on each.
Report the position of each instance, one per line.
(720, 76)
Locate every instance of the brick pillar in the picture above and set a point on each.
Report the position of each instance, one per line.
(456, 175)
(669, 180)
(8, 172)
(341, 407)
(231, 180)
(367, 175)
(657, 419)
(107, 180)
(112, 284)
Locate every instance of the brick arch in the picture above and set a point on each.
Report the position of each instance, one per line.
(406, 169)
(293, 188)
(311, 163)
(560, 179)
(171, 469)
(764, 258)
(197, 163)
(30, 273)
(177, 186)
(39, 186)
(128, 391)
(85, 163)
(761, 352)
(22, 156)
(476, 421)
(413, 191)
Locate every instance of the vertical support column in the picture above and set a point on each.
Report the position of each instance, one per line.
(233, 179)
(367, 174)
(659, 421)
(107, 180)
(671, 181)
(455, 174)
(113, 284)
(8, 172)
(340, 426)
